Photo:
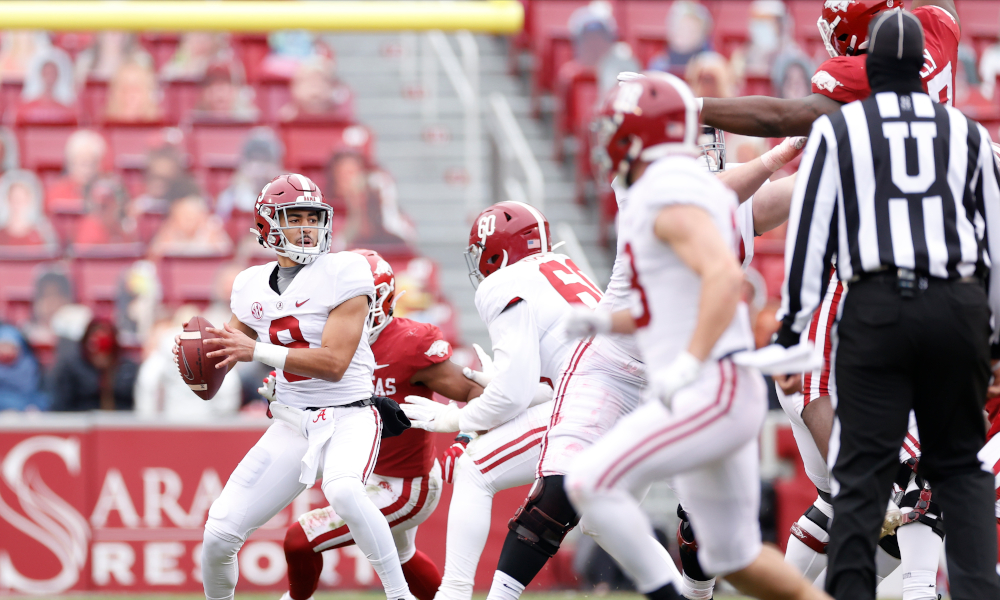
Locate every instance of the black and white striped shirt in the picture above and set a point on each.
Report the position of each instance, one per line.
(891, 182)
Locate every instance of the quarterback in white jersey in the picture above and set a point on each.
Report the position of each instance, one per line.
(700, 423)
(524, 292)
(306, 315)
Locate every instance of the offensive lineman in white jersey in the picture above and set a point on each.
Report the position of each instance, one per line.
(306, 316)
(603, 382)
(524, 292)
(700, 423)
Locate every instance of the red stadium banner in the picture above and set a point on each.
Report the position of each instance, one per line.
(115, 504)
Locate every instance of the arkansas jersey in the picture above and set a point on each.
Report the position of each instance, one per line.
(845, 79)
(548, 283)
(666, 291)
(296, 318)
(403, 348)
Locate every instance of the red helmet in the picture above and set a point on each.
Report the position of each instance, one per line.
(645, 116)
(292, 192)
(502, 235)
(380, 312)
(843, 24)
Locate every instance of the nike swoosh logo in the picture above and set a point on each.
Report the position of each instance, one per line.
(189, 375)
(377, 367)
(298, 304)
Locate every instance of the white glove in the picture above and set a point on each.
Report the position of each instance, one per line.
(677, 375)
(489, 371)
(783, 153)
(583, 322)
(427, 414)
(267, 390)
(775, 359)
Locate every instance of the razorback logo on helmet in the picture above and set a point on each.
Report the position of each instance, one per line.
(843, 24)
(438, 348)
(825, 81)
(381, 268)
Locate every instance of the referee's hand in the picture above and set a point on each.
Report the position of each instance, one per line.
(994, 388)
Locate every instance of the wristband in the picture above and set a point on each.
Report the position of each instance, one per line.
(270, 354)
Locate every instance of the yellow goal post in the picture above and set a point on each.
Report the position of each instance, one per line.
(479, 16)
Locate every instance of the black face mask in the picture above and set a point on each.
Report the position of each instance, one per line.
(887, 74)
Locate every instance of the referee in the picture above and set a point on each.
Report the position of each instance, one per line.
(903, 193)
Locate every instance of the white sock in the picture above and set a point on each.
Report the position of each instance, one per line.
(468, 528)
(919, 549)
(505, 587)
(692, 589)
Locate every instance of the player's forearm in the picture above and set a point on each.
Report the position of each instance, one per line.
(746, 179)
(720, 295)
(318, 363)
(760, 116)
(622, 322)
(508, 395)
(771, 204)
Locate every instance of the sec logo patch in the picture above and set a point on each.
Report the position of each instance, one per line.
(257, 310)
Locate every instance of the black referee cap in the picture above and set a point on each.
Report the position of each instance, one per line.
(895, 52)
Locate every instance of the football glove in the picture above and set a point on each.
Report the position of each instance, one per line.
(449, 458)
(583, 322)
(677, 375)
(267, 390)
(429, 415)
(485, 376)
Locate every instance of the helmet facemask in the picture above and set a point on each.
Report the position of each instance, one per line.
(713, 148)
(473, 254)
(378, 317)
(279, 241)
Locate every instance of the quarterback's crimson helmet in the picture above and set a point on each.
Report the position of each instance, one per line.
(502, 235)
(843, 24)
(645, 116)
(292, 192)
(380, 312)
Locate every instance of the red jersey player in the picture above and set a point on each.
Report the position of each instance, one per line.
(411, 359)
(843, 79)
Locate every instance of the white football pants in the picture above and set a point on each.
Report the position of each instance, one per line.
(267, 480)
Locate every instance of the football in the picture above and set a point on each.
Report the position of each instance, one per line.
(195, 367)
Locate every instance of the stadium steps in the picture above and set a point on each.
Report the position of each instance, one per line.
(370, 65)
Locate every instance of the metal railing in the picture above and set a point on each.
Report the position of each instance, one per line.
(464, 78)
(509, 148)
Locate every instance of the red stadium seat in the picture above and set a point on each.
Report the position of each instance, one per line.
(251, 49)
(309, 146)
(216, 150)
(19, 268)
(65, 224)
(189, 279)
(130, 142)
(10, 96)
(148, 224)
(644, 27)
(980, 21)
(43, 146)
(93, 100)
(805, 15)
(756, 85)
(273, 92)
(730, 18)
(161, 46)
(181, 98)
(576, 91)
(550, 42)
(97, 272)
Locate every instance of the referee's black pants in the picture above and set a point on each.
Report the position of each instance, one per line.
(929, 353)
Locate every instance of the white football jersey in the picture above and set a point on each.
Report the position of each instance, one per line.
(665, 291)
(296, 318)
(619, 293)
(548, 283)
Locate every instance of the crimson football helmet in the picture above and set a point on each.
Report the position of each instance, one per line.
(380, 312)
(646, 116)
(292, 192)
(843, 24)
(502, 235)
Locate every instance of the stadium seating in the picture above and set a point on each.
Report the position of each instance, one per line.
(644, 27)
(97, 273)
(188, 279)
(216, 151)
(42, 147)
(309, 145)
(20, 268)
